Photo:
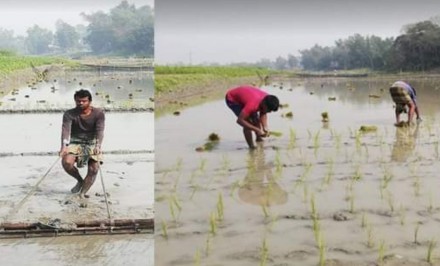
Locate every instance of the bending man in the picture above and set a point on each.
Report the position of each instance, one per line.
(82, 134)
(251, 106)
(404, 95)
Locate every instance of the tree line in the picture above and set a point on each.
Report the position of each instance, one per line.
(416, 49)
(124, 31)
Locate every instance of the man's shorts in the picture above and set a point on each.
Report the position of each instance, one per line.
(237, 108)
(84, 153)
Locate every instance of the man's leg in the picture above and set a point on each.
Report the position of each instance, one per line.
(255, 120)
(68, 163)
(248, 136)
(92, 171)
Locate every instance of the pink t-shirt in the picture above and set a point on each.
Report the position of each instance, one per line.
(247, 96)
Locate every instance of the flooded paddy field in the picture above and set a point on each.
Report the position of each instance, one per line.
(31, 117)
(321, 192)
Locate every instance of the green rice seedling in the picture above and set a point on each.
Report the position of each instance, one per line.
(431, 247)
(164, 228)
(316, 139)
(195, 188)
(364, 220)
(322, 249)
(292, 138)
(278, 163)
(352, 202)
(305, 192)
(172, 211)
(436, 149)
(234, 186)
(329, 174)
(431, 203)
(357, 173)
(402, 215)
(390, 200)
(315, 219)
(202, 166)
(208, 245)
(213, 223)
(176, 183)
(309, 133)
(197, 258)
(265, 211)
(358, 141)
(381, 252)
(416, 233)
(387, 177)
(370, 241)
(264, 253)
(316, 143)
(367, 129)
(275, 134)
(220, 207)
(416, 186)
(226, 163)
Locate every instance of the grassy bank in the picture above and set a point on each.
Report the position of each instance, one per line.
(177, 87)
(9, 62)
(172, 78)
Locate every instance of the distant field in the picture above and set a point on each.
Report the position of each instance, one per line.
(170, 78)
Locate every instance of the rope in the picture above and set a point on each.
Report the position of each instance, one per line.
(31, 192)
(105, 192)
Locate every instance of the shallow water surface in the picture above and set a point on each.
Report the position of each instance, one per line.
(29, 156)
(232, 206)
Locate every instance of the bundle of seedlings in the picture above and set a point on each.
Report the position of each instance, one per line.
(212, 142)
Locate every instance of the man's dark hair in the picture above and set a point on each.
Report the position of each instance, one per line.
(82, 94)
(272, 103)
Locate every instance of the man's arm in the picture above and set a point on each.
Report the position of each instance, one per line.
(65, 133)
(100, 126)
(242, 120)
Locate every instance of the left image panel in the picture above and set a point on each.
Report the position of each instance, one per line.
(77, 138)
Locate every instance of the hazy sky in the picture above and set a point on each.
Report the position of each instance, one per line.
(19, 15)
(227, 31)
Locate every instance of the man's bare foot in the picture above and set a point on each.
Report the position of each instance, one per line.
(77, 187)
(83, 196)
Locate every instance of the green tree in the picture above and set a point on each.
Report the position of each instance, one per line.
(418, 48)
(126, 30)
(38, 40)
(66, 36)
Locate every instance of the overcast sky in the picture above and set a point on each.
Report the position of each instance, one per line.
(19, 15)
(227, 31)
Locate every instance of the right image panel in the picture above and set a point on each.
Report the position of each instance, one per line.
(296, 133)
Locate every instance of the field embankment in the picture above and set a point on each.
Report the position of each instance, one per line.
(177, 86)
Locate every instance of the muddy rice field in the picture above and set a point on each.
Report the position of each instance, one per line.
(354, 190)
(35, 187)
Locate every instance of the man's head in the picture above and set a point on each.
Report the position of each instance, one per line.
(83, 98)
(270, 103)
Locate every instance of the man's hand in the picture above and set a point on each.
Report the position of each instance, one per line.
(63, 151)
(262, 133)
(97, 150)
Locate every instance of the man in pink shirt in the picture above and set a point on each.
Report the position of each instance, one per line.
(251, 106)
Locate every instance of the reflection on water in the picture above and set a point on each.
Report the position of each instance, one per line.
(405, 143)
(79, 250)
(110, 89)
(259, 186)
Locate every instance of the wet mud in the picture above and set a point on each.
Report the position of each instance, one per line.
(35, 188)
(322, 191)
